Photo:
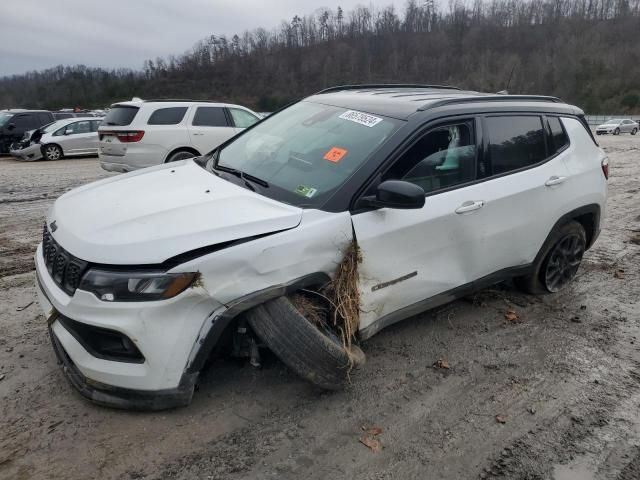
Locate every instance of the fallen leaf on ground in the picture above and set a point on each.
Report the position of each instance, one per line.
(619, 273)
(441, 363)
(501, 419)
(511, 315)
(371, 443)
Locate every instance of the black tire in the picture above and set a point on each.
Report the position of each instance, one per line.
(550, 264)
(52, 152)
(634, 131)
(180, 155)
(316, 356)
(616, 131)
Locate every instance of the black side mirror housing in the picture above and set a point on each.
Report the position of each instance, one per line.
(11, 126)
(395, 194)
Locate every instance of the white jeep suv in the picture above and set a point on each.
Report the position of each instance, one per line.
(140, 134)
(443, 191)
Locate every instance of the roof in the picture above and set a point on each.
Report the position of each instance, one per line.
(23, 110)
(401, 101)
(180, 102)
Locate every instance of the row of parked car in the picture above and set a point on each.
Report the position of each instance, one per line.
(132, 135)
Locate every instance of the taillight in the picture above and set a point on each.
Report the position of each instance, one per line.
(130, 137)
(605, 167)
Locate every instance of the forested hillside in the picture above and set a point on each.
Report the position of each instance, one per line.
(584, 51)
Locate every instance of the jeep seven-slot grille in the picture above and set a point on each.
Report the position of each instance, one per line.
(65, 269)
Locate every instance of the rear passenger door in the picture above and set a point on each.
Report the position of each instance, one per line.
(209, 126)
(525, 187)
(77, 138)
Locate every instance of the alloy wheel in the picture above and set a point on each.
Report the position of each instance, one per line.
(564, 261)
(52, 152)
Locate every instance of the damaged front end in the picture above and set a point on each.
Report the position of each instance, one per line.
(28, 148)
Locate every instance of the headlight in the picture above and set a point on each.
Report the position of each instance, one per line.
(113, 286)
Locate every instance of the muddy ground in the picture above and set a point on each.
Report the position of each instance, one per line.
(552, 395)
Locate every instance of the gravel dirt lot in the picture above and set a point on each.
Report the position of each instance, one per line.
(552, 395)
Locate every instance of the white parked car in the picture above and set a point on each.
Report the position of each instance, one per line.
(443, 191)
(62, 138)
(616, 126)
(140, 134)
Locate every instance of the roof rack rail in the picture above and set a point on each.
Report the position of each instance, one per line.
(178, 100)
(490, 98)
(383, 85)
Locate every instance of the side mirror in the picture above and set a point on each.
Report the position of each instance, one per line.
(11, 126)
(68, 131)
(395, 194)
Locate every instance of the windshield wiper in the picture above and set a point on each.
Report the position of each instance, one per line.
(244, 176)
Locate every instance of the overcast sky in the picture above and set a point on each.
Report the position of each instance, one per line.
(37, 34)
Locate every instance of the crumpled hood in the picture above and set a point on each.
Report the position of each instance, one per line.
(151, 215)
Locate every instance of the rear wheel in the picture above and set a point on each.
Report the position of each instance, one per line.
(180, 155)
(313, 352)
(634, 131)
(559, 261)
(52, 152)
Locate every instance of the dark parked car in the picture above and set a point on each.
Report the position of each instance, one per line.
(14, 123)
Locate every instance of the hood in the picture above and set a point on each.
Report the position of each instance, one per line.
(151, 215)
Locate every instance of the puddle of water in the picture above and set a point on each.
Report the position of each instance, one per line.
(573, 472)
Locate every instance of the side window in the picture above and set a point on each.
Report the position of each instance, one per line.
(44, 118)
(515, 142)
(59, 132)
(210, 117)
(242, 118)
(78, 128)
(167, 116)
(558, 137)
(444, 157)
(26, 121)
(94, 125)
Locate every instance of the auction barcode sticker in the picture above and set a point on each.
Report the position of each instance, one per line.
(361, 118)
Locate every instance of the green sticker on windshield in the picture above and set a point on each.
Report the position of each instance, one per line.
(305, 191)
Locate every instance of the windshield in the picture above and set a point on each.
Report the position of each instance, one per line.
(4, 117)
(51, 127)
(304, 153)
(613, 121)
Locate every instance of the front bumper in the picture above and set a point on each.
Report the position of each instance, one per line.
(165, 332)
(116, 397)
(28, 154)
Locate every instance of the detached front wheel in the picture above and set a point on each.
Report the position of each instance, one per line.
(313, 352)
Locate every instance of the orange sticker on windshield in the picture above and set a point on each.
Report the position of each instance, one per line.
(335, 154)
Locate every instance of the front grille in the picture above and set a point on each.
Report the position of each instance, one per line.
(65, 269)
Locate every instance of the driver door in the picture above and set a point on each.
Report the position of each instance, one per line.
(409, 256)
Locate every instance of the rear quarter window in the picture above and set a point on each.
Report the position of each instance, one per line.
(558, 137)
(121, 115)
(167, 116)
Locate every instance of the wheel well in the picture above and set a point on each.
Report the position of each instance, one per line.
(182, 149)
(588, 222)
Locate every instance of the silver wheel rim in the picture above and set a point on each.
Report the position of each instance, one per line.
(53, 153)
(564, 262)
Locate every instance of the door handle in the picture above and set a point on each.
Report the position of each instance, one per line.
(470, 206)
(555, 180)
(198, 133)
